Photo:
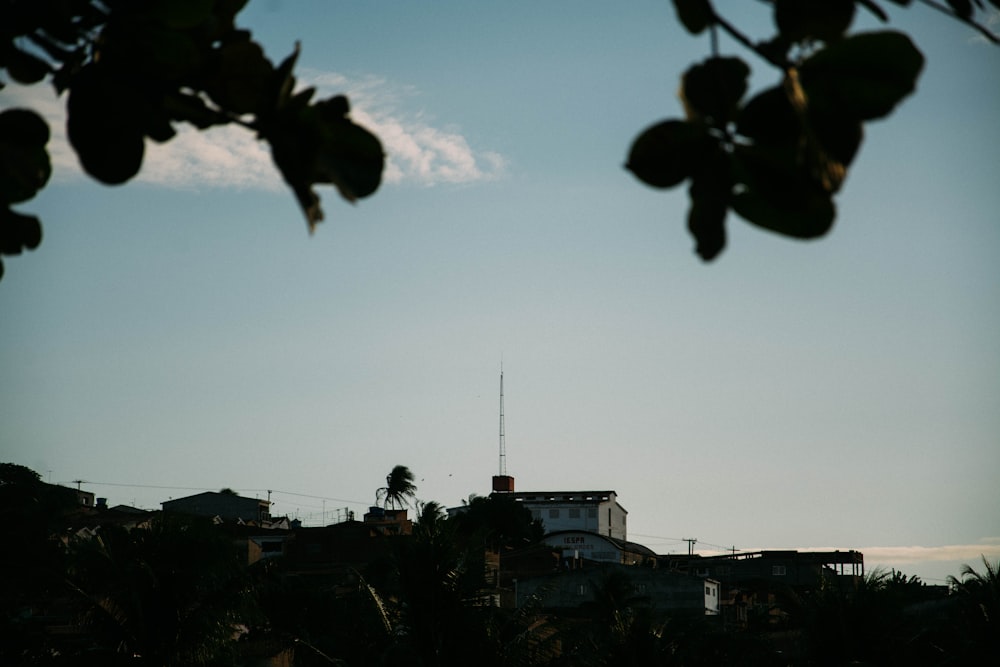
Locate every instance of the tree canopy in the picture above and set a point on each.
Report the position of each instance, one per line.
(399, 488)
(778, 158)
(132, 71)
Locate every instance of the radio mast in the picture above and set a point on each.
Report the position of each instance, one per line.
(503, 443)
(502, 483)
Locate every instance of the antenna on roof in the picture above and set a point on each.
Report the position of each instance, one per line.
(503, 443)
(502, 483)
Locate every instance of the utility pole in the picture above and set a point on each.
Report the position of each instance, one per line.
(691, 542)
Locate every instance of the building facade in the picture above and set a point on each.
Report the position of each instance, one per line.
(576, 545)
(666, 592)
(226, 506)
(589, 511)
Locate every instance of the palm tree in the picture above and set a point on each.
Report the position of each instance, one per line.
(979, 593)
(399, 488)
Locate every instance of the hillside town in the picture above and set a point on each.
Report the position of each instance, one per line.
(548, 577)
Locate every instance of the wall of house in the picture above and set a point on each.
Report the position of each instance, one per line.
(596, 512)
(712, 593)
(585, 544)
(223, 505)
(612, 520)
(566, 515)
(666, 592)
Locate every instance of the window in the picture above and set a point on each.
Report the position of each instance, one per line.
(536, 514)
(553, 514)
(708, 591)
(777, 570)
(592, 513)
(574, 513)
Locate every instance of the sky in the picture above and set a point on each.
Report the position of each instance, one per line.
(184, 332)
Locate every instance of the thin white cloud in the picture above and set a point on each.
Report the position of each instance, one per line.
(968, 553)
(227, 156)
(231, 157)
(416, 150)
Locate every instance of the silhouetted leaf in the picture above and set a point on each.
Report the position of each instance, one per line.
(839, 135)
(663, 155)
(23, 127)
(825, 20)
(710, 193)
(350, 157)
(25, 67)
(776, 193)
(181, 13)
(770, 118)
(18, 232)
(713, 89)
(694, 15)
(240, 77)
(313, 144)
(24, 163)
(150, 51)
(103, 126)
(961, 7)
(157, 125)
(822, 140)
(863, 76)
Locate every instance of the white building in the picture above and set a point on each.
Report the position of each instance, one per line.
(586, 545)
(589, 511)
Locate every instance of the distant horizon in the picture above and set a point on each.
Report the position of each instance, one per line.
(931, 563)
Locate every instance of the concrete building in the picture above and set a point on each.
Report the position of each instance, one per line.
(667, 593)
(589, 511)
(227, 506)
(388, 521)
(578, 545)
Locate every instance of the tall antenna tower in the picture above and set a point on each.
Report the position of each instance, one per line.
(502, 483)
(503, 442)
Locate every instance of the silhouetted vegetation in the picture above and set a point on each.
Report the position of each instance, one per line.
(778, 158)
(399, 488)
(134, 70)
(172, 590)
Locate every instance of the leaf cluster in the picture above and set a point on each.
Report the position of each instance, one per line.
(134, 70)
(778, 158)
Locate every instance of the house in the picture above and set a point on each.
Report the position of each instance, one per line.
(758, 582)
(386, 521)
(792, 569)
(588, 511)
(580, 544)
(667, 593)
(225, 505)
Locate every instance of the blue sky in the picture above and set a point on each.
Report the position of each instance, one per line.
(185, 332)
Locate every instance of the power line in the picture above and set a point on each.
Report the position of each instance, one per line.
(245, 490)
